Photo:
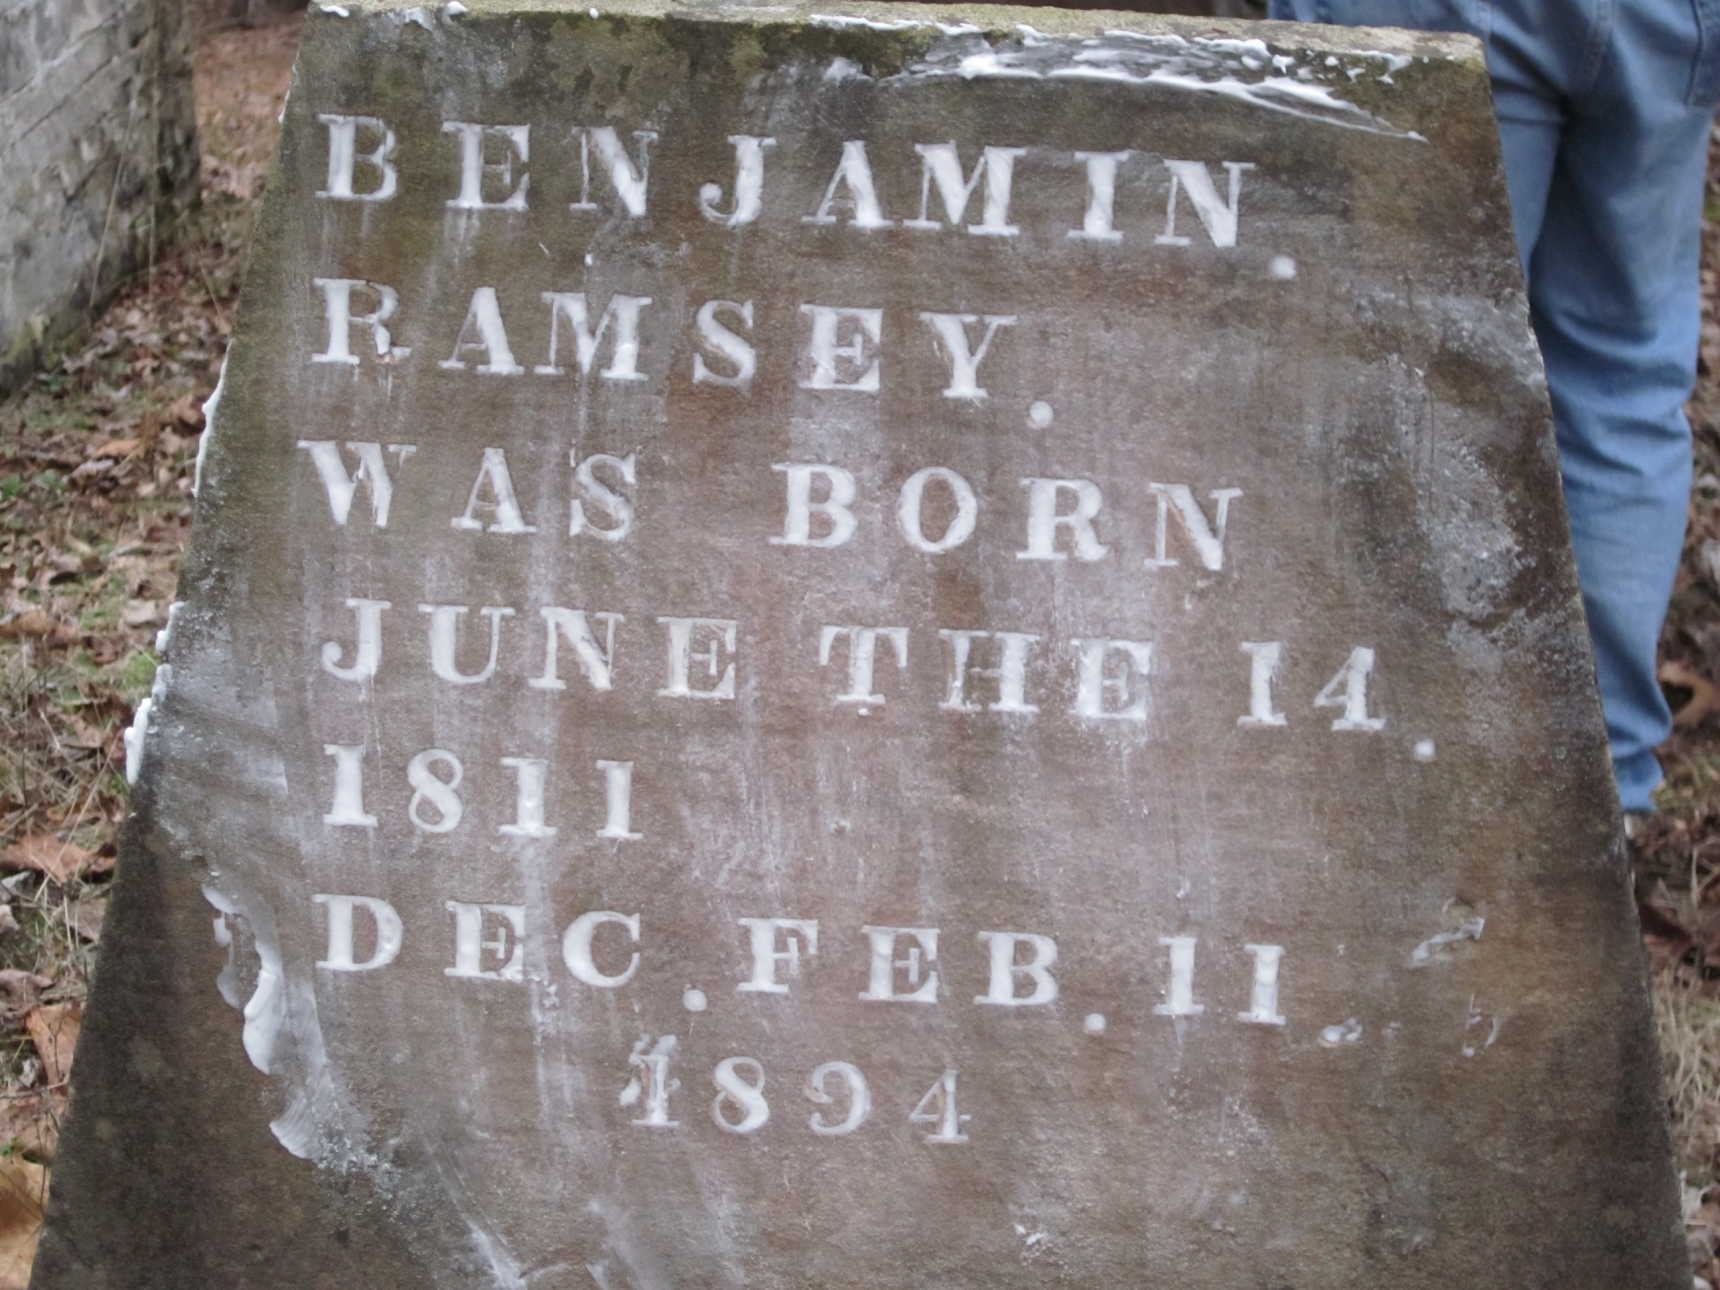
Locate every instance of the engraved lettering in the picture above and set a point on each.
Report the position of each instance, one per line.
(385, 923)
(472, 948)
(371, 471)
(763, 938)
(344, 158)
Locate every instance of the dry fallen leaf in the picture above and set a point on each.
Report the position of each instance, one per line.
(30, 1122)
(1704, 694)
(113, 448)
(20, 988)
(188, 410)
(53, 1028)
(23, 1197)
(35, 623)
(140, 613)
(45, 853)
(88, 916)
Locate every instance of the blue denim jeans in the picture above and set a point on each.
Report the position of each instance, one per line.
(1604, 109)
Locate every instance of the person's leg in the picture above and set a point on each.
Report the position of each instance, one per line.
(1604, 157)
(1614, 296)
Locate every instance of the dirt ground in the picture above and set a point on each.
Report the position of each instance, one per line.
(95, 471)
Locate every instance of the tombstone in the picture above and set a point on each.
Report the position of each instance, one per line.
(873, 648)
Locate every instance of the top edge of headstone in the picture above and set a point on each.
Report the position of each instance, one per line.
(947, 19)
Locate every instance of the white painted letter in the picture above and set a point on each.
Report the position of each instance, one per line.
(1349, 690)
(617, 801)
(1044, 519)
(853, 173)
(1207, 539)
(438, 792)
(1093, 687)
(445, 640)
(920, 976)
(859, 1098)
(1263, 661)
(1216, 216)
(964, 361)
(367, 653)
(619, 505)
(718, 339)
(507, 945)
(1010, 672)
(1263, 999)
(595, 662)
(1096, 224)
(743, 1091)
(862, 651)
(474, 170)
(749, 184)
(493, 474)
(961, 524)
(797, 521)
(825, 349)
(344, 156)
(941, 164)
(530, 774)
(677, 684)
(762, 940)
(624, 352)
(628, 180)
(337, 311)
(576, 948)
(938, 1108)
(1179, 995)
(389, 933)
(340, 486)
(348, 804)
(1004, 969)
(483, 330)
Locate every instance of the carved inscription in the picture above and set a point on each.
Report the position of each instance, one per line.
(1096, 680)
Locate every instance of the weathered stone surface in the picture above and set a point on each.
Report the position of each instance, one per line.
(98, 153)
(1207, 882)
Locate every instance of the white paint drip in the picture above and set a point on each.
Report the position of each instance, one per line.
(454, 8)
(1469, 930)
(164, 637)
(211, 406)
(137, 734)
(843, 69)
(339, 11)
(1227, 68)
(1475, 1018)
(417, 16)
(1345, 1032)
(281, 1034)
(265, 1010)
(890, 24)
(1030, 1241)
(1225, 44)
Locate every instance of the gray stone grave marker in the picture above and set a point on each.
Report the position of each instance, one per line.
(872, 647)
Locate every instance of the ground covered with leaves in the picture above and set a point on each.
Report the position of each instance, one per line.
(96, 463)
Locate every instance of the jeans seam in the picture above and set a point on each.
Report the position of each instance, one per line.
(1705, 72)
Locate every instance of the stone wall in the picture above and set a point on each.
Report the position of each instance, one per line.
(98, 154)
